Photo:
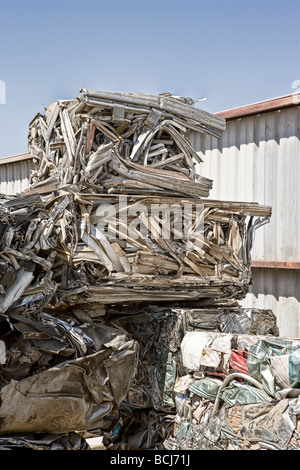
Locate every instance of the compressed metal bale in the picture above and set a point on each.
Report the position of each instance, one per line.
(75, 395)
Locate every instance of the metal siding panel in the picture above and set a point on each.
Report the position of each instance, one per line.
(278, 290)
(259, 156)
(281, 206)
(14, 177)
(259, 162)
(249, 154)
(2, 179)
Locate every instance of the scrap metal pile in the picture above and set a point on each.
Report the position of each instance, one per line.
(118, 177)
(210, 382)
(107, 261)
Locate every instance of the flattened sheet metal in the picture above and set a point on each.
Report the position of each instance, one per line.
(77, 394)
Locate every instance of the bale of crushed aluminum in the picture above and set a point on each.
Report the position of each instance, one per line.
(46, 258)
(118, 177)
(120, 142)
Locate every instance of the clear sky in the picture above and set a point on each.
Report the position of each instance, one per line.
(232, 52)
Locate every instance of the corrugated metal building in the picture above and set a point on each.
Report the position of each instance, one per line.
(258, 159)
(15, 173)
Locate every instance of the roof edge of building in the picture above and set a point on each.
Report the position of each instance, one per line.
(15, 158)
(273, 104)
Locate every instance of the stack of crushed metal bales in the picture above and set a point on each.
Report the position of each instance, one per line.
(108, 261)
(118, 176)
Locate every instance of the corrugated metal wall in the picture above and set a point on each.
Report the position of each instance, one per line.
(14, 174)
(258, 159)
(278, 290)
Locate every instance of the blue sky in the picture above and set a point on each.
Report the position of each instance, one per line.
(231, 52)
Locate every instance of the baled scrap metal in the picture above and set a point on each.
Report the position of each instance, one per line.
(262, 425)
(203, 394)
(101, 137)
(62, 376)
(220, 407)
(135, 225)
(167, 389)
(64, 260)
(262, 356)
(27, 253)
(49, 355)
(141, 263)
